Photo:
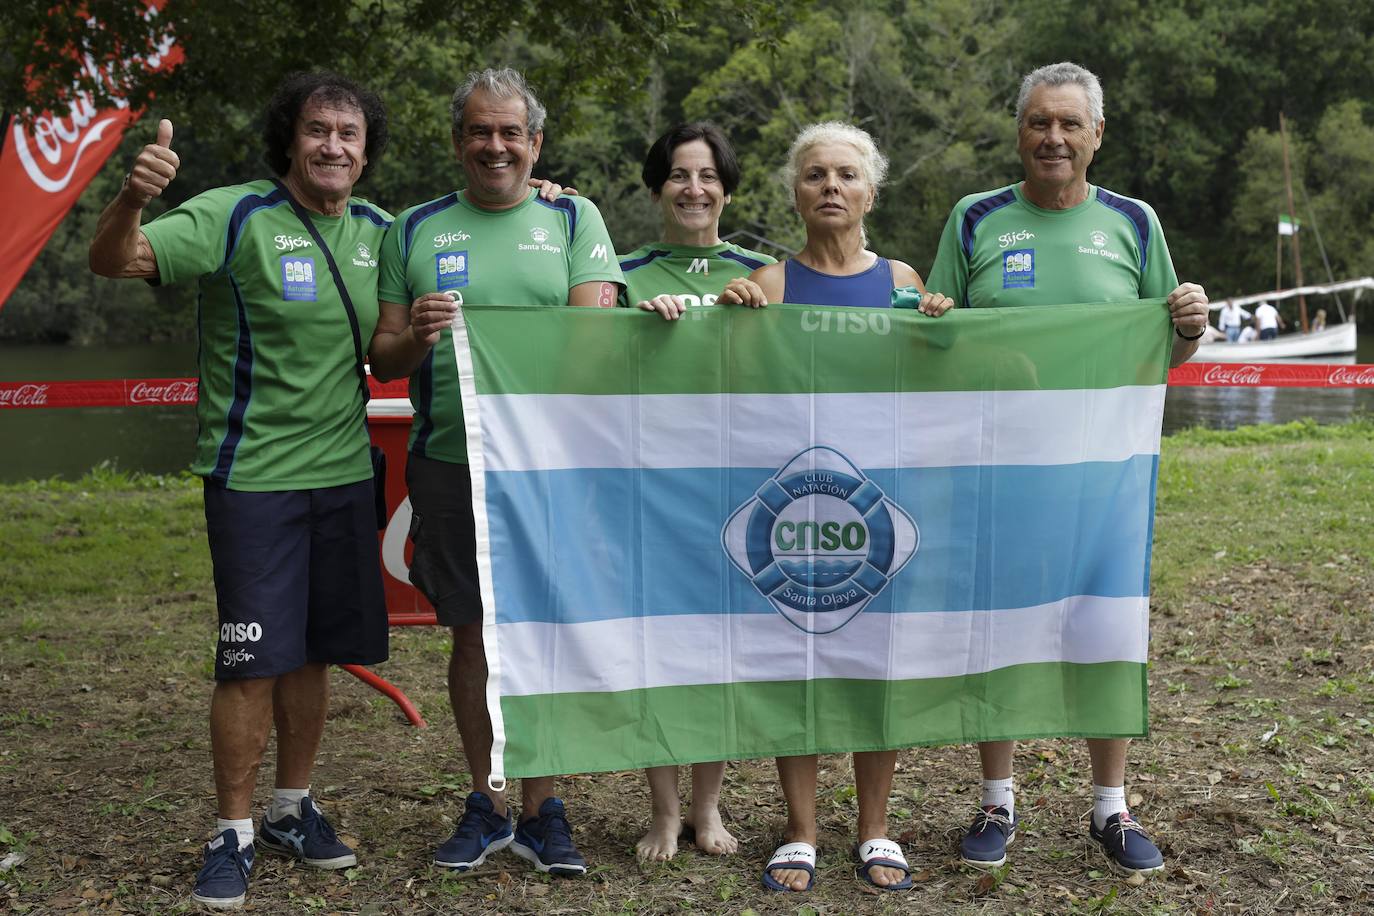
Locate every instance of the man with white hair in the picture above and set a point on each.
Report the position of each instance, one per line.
(496, 242)
(1050, 239)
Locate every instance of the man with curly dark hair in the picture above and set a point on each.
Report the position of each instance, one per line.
(283, 443)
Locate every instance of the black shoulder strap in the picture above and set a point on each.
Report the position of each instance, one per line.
(339, 284)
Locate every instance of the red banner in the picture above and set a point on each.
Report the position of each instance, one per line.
(46, 165)
(1273, 375)
(139, 392)
(131, 392)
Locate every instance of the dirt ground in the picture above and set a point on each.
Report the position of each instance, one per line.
(1257, 779)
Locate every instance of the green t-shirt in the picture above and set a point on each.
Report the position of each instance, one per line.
(999, 249)
(279, 404)
(697, 274)
(532, 254)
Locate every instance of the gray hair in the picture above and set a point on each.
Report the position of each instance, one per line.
(505, 83)
(872, 162)
(1061, 74)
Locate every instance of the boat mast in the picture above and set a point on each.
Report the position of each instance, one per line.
(1293, 215)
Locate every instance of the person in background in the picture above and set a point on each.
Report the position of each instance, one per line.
(1268, 321)
(1231, 318)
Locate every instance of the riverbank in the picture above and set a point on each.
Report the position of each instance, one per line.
(1257, 779)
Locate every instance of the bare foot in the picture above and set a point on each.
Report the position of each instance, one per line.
(791, 878)
(660, 843)
(711, 835)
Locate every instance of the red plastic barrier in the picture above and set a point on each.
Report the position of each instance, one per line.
(1273, 375)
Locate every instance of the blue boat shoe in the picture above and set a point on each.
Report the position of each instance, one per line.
(222, 881)
(985, 844)
(1127, 846)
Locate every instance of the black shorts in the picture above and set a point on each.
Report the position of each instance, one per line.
(443, 565)
(297, 577)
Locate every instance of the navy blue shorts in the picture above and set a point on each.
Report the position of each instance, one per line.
(443, 565)
(297, 577)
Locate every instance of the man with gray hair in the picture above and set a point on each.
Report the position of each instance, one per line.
(1050, 239)
(495, 242)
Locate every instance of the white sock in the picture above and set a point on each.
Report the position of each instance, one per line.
(243, 828)
(286, 801)
(1107, 800)
(998, 793)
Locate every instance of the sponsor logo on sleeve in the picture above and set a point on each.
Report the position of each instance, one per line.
(450, 270)
(1018, 269)
(600, 253)
(297, 278)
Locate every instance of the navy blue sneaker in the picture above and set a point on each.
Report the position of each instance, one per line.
(222, 881)
(547, 842)
(985, 844)
(308, 838)
(480, 833)
(1127, 847)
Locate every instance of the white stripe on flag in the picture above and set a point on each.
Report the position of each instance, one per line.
(613, 655)
(937, 429)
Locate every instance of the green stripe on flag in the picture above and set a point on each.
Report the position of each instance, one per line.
(665, 725)
(802, 349)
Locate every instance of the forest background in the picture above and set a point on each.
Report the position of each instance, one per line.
(1193, 95)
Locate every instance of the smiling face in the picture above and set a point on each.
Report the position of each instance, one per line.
(497, 150)
(832, 190)
(327, 153)
(1056, 140)
(692, 197)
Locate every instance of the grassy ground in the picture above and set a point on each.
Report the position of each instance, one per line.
(1257, 779)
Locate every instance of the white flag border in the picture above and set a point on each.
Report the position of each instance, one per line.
(472, 425)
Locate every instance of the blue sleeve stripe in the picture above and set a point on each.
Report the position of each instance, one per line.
(422, 213)
(635, 263)
(569, 210)
(1135, 214)
(750, 263)
(369, 214)
(243, 392)
(246, 206)
(979, 211)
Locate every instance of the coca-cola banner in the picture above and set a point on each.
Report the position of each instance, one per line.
(1273, 375)
(47, 162)
(131, 392)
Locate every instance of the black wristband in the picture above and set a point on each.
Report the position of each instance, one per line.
(1186, 337)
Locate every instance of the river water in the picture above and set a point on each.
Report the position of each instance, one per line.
(67, 442)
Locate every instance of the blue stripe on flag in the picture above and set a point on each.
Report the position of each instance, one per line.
(1039, 534)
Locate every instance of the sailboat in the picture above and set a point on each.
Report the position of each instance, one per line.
(1335, 340)
(1338, 340)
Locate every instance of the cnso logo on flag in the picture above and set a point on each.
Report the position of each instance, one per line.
(819, 540)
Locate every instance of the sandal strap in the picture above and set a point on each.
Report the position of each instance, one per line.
(882, 848)
(793, 854)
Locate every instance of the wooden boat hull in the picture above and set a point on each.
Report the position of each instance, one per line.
(1332, 341)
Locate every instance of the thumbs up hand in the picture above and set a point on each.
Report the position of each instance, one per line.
(154, 168)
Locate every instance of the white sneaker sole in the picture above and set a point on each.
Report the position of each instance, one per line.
(562, 869)
(495, 846)
(219, 903)
(987, 863)
(347, 861)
